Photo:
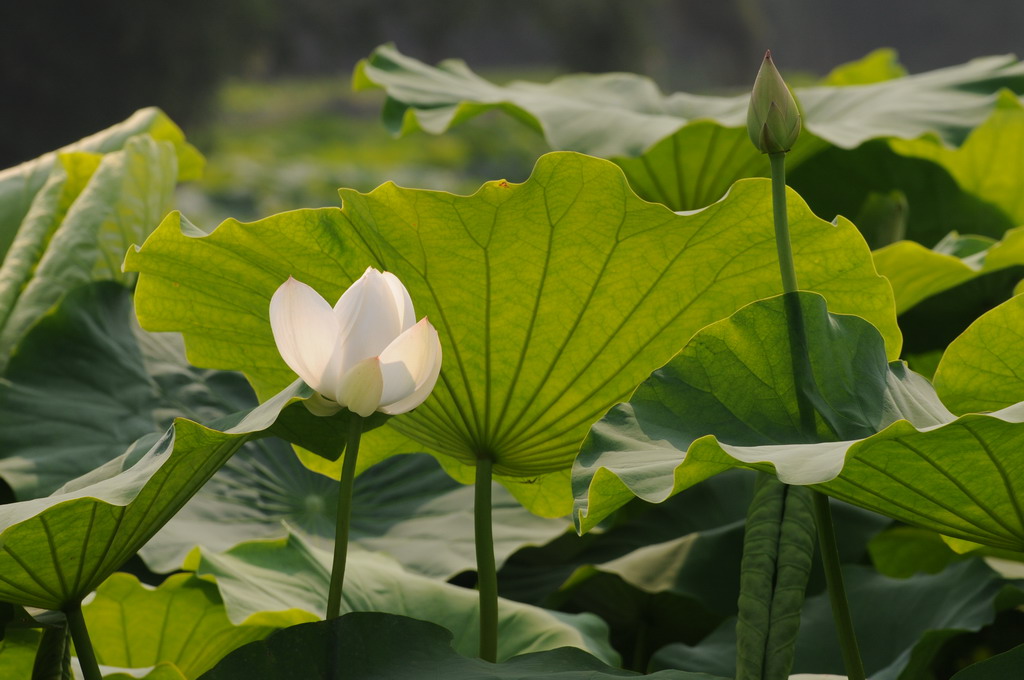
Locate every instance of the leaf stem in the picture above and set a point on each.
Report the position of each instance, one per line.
(782, 241)
(83, 644)
(341, 526)
(836, 589)
(487, 574)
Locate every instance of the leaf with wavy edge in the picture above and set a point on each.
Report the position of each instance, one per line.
(621, 114)
(983, 369)
(685, 150)
(728, 399)
(261, 580)
(989, 163)
(917, 273)
(182, 621)
(55, 550)
(554, 298)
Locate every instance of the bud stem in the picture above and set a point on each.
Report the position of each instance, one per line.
(805, 381)
(782, 241)
(341, 526)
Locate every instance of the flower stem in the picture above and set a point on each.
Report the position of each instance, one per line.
(341, 526)
(83, 644)
(782, 241)
(836, 589)
(487, 574)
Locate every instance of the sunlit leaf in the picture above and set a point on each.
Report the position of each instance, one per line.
(553, 298)
(988, 164)
(181, 622)
(917, 273)
(983, 369)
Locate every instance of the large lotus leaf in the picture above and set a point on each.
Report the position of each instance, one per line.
(263, 579)
(989, 163)
(55, 550)
(983, 369)
(728, 399)
(917, 273)
(621, 114)
(387, 647)
(894, 646)
(181, 622)
(20, 184)
(554, 298)
(125, 198)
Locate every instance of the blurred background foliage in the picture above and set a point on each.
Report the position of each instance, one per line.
(262, 85)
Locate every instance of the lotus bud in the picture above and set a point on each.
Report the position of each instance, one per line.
(773, 119)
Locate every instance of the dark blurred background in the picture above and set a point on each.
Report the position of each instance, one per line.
(68, 69)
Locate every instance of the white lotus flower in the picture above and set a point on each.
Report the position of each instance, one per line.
(366, 354)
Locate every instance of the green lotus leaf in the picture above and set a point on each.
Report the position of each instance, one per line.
(988, 164)
(623, 114)
(262, 580)
(554, 299)
(928, 201)
(20, 184)
(56, 549)
(386, 647)
(729, 399)
(685, 150)
(966, 596)
(917, 273)
(182, 622)
(61, 245)
(696, 165)
(983, 369)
